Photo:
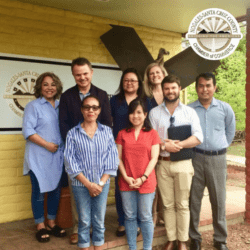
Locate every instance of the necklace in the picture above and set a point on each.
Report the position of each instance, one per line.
(90, 131)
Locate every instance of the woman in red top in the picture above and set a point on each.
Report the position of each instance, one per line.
(138, 149)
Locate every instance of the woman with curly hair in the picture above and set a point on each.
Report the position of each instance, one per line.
(43, 160)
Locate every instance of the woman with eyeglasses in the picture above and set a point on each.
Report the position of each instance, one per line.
(138, 149)
(130, 88)
(153, 77)
(90, 159)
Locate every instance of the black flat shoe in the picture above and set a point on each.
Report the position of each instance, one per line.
(120, 233)
(220, 245)
(195, 245)
(123, 232)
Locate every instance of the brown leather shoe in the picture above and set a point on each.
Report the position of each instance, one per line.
(171, 245)
(73, 239)
(182, 245)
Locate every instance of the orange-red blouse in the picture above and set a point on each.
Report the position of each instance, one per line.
(136, 155)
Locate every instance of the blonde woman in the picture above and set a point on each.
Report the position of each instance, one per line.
(153, 77)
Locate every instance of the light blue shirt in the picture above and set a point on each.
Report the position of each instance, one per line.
(41, 118)
(82, 96)
(184, 115)
(92, 157)
(217, 123)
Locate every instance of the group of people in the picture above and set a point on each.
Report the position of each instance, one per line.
(93, 137)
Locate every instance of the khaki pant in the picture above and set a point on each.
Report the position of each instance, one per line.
(174, 182)
(73, 209)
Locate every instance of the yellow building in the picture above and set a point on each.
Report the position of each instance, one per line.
(32, 30)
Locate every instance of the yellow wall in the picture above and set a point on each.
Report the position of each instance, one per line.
(32, 30)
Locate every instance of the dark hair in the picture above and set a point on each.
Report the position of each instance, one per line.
(80, 61)
(56, 80)
(170, 79)
(90, 96)
(140, 91)
(131, 109)
(207, 76)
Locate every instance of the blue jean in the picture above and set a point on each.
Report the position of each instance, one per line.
(37, 201)
(118, 201)
(91, 211)
(135, 203)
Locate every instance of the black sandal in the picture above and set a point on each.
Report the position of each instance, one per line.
(120, 233)
(56, 231)
(40, 233)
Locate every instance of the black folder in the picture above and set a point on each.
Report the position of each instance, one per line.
(180, 133)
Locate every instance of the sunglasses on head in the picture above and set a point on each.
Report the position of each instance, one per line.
(172, 119)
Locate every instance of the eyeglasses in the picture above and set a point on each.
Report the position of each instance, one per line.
(130, 80)
(87, 107)
(172, 119)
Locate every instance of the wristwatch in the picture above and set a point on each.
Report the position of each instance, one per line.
(101, 184)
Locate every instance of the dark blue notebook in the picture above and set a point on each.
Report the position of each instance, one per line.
(180, 133)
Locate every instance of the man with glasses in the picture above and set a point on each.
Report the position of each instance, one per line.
(174, 177)
(210, 167)
(70, 112)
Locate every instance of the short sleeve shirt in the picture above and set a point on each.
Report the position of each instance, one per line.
(136, 155)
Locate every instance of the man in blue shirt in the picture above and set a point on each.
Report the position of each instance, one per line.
(217, 120)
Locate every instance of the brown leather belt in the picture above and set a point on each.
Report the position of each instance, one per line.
(164, 158)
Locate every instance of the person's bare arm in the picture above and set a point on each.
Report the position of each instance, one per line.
(37, 139)
(190, 142)
(155, 151)
(171, 146)
(94, 189)
(129, 180)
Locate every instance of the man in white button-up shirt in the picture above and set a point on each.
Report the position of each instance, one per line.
(175, 177)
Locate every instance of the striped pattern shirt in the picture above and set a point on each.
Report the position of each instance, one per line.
(92, 157)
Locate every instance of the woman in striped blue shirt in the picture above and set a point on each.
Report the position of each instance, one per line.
(91, 158)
